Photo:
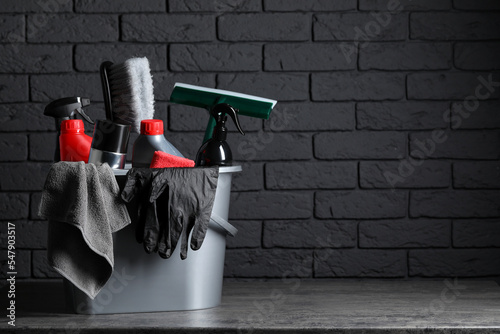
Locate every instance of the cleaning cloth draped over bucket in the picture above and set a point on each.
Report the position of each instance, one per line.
(168, 204)
(82, 203)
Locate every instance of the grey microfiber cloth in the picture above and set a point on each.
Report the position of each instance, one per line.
(83, 206)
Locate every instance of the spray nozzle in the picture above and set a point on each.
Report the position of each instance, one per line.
(219, 112)
(67, 108)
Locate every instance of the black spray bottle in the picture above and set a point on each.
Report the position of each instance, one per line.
(216, 151)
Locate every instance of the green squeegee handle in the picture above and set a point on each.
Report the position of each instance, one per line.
(210, 128)
(207, 100)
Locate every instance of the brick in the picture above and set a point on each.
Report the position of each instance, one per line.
(42, 146)
(124, 6)
(414, 233)
(404, 5)
(455, 204)
(271, 146)
(24, 117)
(476, 5)
(285, 87)
(405, 56)
(305, 57)
(473, 115)
(309, 6)
(359, 263)
(456, 144)
(34, 204)
(27, 6)
(45, 88)
(72, 28)
(35, 58)
(360, 27)
(13, 147)
(471, 174)
(310, 234)
(249, 234)
(215, 57)
(23, 176)
(187, 118)
(270, 205)
(406, 115)
(41, 267)
(454, 262)
(214, 6)
(264, 27)
(311, 175)
(171, 28)
(164, 82)
(14, 205)
(32, 235)
(482, 56)
(88, 57)
(450, 86)
(360, 204)
(310, 116)
(276, 263)
(12, 28)
(23, 264)
(251, 178)
(476, 233)
(357, 86)
(454, 26)
(404, 174)
(359, 145)
(14, 88)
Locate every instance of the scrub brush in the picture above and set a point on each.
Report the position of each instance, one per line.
(128, 92)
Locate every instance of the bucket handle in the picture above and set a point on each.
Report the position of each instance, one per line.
(230, 229)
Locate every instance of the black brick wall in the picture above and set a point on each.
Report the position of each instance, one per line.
(381, 159)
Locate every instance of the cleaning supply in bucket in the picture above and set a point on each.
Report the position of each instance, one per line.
(216, 151)
(83, 206)
(74, 143)
(65, 109)
(165, 160)
(207, 98)
(109, 144)
(150, 140)
(187, 197)
(128, 91)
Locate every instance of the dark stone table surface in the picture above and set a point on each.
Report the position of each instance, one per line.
(286, 306)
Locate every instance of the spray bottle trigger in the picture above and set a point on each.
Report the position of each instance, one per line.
(220, 111)
(84, 115)
(234, 115)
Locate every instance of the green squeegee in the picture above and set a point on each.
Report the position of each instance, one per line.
(207, 98)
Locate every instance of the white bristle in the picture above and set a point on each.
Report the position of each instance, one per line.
(131, 87)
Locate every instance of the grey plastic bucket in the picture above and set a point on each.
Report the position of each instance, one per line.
(147, 283)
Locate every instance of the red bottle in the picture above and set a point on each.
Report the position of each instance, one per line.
(75, 144)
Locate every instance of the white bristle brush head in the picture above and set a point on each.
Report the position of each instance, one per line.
(132, 96)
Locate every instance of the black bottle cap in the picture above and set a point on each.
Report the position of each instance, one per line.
(110, 137)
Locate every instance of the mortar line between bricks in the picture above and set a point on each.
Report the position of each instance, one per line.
(26, 28)
(409, 203)
(407, 264)
(120, 32)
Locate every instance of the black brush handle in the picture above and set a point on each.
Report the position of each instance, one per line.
(106, 92)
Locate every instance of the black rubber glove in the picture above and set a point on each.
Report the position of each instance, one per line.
(136, 194)
(191, 194)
